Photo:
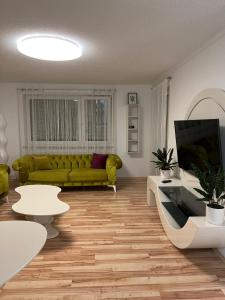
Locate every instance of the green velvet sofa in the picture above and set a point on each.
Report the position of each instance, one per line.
(66, 170)
(4, 181)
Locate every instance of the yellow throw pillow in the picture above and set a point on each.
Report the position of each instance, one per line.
(41, 163)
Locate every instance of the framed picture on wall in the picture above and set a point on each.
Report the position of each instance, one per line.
(132, 98)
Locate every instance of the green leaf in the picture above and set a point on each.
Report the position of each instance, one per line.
(164, 159)
(211, 180)
(219, 182)
(170, 153)
(203, 193)
(202, 199)
(156, 154)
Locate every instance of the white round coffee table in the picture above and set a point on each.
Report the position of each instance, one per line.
(40, 204)
(20, 241)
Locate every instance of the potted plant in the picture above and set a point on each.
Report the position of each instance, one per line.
(164, 162)
(212, 184)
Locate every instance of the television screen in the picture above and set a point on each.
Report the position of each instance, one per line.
(198, 141)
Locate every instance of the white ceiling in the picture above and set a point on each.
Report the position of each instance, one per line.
(123, 41)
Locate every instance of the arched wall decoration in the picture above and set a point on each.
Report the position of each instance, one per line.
(210, 104)
(3, 140)
(200, 102)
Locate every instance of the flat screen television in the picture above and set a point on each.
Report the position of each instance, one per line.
(198, 141)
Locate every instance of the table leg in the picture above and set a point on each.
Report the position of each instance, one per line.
(46, 222)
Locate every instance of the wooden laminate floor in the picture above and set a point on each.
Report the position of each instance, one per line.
(112, 246)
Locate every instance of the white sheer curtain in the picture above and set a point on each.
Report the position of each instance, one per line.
(3, 141)
(98, 129)
(66, 122)
(159, 111)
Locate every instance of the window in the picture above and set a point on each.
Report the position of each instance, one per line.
(54, 120)
(97, 119)
(81, 124)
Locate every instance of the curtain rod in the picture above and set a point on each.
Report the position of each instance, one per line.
(66, 90)
(169, 78)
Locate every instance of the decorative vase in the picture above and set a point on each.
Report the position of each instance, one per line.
(165, 174)
(215, 215)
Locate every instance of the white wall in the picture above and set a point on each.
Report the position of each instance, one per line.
(132, 166)
(204, 70)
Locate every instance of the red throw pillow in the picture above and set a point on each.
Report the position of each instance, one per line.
(99, 161)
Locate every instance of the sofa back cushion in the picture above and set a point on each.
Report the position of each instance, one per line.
(59, 161)
(69, 161)
(41, 163)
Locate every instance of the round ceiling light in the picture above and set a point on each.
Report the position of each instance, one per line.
(49, 47)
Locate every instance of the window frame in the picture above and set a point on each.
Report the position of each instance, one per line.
(109, 130)
(25, 134)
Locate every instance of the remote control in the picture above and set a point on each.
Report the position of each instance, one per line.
(166, 181)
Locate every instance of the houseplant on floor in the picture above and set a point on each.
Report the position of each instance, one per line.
(165, 162)
(212, 184)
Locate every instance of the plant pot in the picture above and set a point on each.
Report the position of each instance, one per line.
(215, 215)
(165, 174)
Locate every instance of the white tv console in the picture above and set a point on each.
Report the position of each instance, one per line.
(196, 233)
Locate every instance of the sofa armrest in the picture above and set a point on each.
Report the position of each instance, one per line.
(114, 160)
(16, 165)
(113, 163)
(4, 168)
(4, 179)
(23, 166)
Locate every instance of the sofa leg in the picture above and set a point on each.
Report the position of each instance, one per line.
(113, 186)
(6, 199)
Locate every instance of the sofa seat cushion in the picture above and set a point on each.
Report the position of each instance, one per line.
(54, 175)
(88, 174)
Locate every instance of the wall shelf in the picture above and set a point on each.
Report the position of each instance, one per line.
(132, 128)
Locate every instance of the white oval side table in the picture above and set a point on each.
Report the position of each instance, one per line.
(40, 204)
(20, 241)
